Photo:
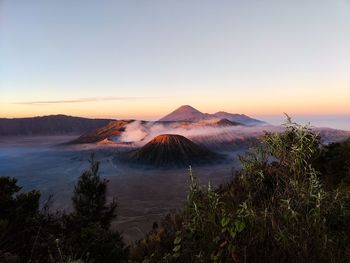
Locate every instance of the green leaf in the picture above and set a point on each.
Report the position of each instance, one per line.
(232, 232)
(225, 221)
(177, 248)
(177, 240)
(239, 226)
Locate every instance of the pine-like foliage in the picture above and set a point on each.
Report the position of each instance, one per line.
(92, 238)
(89, 199)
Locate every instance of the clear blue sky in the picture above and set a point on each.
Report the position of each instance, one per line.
(143, 58)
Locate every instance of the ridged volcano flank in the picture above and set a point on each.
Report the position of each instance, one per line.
(114, 128)
(171, 150)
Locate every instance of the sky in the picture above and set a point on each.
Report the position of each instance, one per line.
(143, 59)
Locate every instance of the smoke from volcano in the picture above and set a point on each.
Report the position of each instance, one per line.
(141, 133)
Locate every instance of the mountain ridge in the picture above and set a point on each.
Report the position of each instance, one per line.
(189, 113)
(64, 124)
(49, 125)
(242, 118)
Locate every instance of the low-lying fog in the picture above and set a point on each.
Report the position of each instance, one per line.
(141, 133)
(144, 195)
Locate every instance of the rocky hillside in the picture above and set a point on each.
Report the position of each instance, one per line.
(112, 129)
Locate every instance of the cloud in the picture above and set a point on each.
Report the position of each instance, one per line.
(82, 100)
(140, 133)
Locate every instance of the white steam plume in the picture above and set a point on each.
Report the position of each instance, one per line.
(141, 133)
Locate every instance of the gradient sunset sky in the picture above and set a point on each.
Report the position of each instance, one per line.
(142, 59)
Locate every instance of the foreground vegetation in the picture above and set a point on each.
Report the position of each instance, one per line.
(28, 234)
(290, 202)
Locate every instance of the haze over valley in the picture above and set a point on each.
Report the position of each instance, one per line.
(146, 162)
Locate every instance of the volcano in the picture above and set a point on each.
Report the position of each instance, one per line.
(172, 150)
(113, 128)
(185, 113)
(189, 114)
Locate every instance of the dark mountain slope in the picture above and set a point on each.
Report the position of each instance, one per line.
(241, 118)
(49, 125)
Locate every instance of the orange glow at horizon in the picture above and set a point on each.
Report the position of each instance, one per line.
(152, 109)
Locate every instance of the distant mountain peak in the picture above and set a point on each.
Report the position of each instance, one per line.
(186, 108)
(185, 113)
(190, 114)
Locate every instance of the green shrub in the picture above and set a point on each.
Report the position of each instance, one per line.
(276, 209)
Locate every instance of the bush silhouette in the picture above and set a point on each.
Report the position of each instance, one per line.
(28, 234)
